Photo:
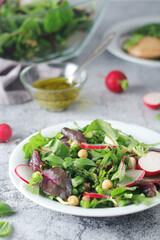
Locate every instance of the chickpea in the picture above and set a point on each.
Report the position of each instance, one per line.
(74, 201)
(107, 184)
(82, 153)
(86, 198)
(87, 185)
(77, 143)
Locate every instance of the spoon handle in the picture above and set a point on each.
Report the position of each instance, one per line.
(98, 50)
(154, 149)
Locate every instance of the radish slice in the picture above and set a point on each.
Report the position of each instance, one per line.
(108, 141)
(152, 100)
(133, 175)
(24, 172)
(150, 163)
(95, 146)
(132, 163)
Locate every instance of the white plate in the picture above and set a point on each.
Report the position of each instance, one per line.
(122, 29)
(17, 157)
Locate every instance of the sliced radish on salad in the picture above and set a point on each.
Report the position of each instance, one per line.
(95, 146)
(152, 100)
(150, 163)
(108, 141)
(133, 175)
(95, 195)
(24, 172)
(132, 163)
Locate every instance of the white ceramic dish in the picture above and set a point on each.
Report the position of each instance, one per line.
(17, 157)
(122, 29)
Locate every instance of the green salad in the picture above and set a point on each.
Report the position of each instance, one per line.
(39, 29)
(91, 167)
(152, 30)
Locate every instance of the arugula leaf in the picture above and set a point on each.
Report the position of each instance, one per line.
(5, 209)
(120, 174)
(140, 151)
(105, 127)
(5, 228)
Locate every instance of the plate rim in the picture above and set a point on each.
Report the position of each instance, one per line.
(115, 48)
(77, 211)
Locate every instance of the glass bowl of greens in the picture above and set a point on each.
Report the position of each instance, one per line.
(41, 31)
(48, 84)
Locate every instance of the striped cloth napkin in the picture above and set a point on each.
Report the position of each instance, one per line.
(11, 89)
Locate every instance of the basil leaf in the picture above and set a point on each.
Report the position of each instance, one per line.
(84, 162)
(34, 143)
(58, 148)
(5, 209)
(5, 228)
(54, 160)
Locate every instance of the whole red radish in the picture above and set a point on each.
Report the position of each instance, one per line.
(5, 132)
(116, 81)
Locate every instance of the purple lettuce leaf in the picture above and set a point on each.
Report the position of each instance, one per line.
(75, 135)
(56, 182)
(35, 161)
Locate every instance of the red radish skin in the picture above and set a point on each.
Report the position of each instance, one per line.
(135, 175)
(96, 195)
(95, 146)
(152, 100)
(24, 172)
(116, 81)
(150, 163)
(5, 132)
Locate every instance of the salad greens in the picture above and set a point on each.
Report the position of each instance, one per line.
(5, 210)
(152, 30)
(5, 228)
(60, 173)
(39, 29)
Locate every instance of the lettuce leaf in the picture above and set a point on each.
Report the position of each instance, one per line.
(102, 126)
(34, 143)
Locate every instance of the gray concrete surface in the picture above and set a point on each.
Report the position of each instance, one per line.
(33, 222)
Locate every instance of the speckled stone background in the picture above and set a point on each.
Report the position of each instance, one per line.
(33, 222)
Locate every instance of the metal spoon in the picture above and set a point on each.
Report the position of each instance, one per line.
(98, 50)
(154, 149)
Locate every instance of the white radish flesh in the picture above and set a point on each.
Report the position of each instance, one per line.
(24, 172)
(150, 163)
(152, 100)
(108, 141)
(132, 163)
(133, 175)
